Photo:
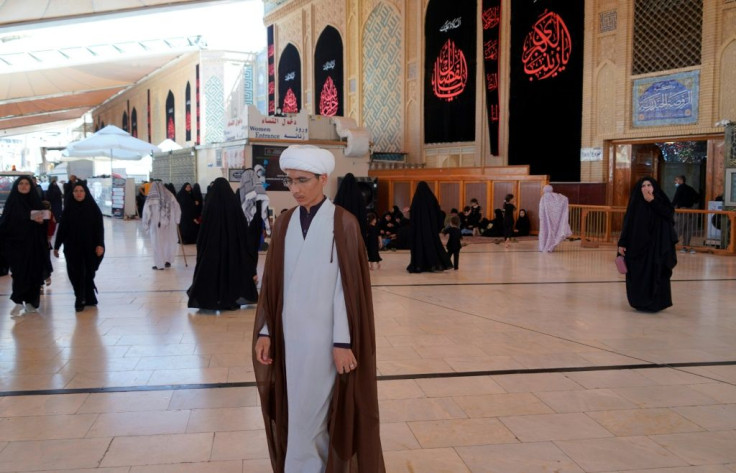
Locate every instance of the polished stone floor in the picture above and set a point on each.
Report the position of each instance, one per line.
(518, 362)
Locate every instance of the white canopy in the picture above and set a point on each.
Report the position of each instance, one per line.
(111, 142)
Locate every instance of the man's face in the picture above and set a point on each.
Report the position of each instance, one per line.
(678, 181)
(310, 190)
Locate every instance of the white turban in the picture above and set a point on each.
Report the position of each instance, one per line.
(307, 158)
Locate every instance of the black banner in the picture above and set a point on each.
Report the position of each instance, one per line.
(271, 75)
(449, 87)
(546, 99)
(328, 81)
(290, 80)
(491, 19)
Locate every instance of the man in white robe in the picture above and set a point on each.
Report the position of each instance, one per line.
(316, 335)
(161, 216)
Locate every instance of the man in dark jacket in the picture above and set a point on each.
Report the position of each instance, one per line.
(685, 198)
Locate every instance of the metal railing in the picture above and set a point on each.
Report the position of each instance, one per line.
(700, 230)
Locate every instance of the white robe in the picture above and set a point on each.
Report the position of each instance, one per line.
(314, 318)
(164, 238)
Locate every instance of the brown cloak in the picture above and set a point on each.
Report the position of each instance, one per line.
(355, 444)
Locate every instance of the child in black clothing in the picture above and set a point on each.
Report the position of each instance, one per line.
(508, 219)
(454, 241)
(373, 242)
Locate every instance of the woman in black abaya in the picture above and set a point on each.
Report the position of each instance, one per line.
(647, 242)
(427, 252)
(523, 224)
(188, 226)
(351, 199)
(83, 235)
(225, 274)
(198, 201)
(24, 244)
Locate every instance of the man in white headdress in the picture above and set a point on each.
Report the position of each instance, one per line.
(314, 336)
(161, 215)
(554, 225)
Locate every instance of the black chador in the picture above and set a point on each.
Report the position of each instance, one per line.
(225, 270)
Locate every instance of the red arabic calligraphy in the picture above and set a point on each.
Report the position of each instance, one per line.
(328, 101)
(491, 17)
(490, 50)
(495, 114)
(170, 128)
(289, 105)
(492, 81)
(450, 73)
(547, 47)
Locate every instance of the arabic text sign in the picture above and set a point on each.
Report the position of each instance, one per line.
(257, 126)
(666, 100)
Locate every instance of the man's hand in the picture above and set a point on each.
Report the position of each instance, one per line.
(56, 253)
(649, 195)
(345, 361)
(263, 348)
(99, 250)
(622, 251)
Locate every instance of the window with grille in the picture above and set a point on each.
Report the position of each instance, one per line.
(667, 34)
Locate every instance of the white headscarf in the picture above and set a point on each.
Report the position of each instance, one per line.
(554, 225)
(251, 191)
(160, 200)
(307, 158)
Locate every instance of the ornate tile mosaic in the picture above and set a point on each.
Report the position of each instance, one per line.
(382, 74)
(214, 110)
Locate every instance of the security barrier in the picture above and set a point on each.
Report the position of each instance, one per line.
(700, 230)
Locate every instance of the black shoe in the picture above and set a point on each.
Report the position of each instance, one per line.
(167, 265)
(156, 267)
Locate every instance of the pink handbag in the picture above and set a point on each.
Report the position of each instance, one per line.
(621, 264)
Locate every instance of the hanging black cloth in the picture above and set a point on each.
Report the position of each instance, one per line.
(188, 225)
(351, 199)
(24, 243)
(649, 236)
(81, 231)
(223, 276)
(427, 252)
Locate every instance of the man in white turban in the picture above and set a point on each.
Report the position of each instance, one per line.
(554, 225)
(314, 336)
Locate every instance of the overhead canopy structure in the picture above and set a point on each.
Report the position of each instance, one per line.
(111, 142)
(43, 84)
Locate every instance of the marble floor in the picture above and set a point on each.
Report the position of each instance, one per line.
(518, 362)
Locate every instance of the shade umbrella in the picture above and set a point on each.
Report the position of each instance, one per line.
(113, 142)
(169, 145)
